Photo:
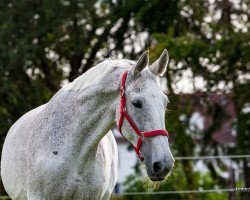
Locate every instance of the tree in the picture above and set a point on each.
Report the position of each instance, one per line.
(43, 42)
(210, 42)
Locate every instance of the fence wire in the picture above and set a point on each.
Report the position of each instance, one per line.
(200, 190)
(185, 191)
(211, 157)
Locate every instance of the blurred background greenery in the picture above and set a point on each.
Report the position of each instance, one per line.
(45, 43)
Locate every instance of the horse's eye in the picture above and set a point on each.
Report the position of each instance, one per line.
(137, 103)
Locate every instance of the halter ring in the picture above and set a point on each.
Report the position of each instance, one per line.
(122, 92)
(141, 161)
(142, 135)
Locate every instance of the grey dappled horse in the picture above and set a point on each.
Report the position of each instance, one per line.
(65, 150)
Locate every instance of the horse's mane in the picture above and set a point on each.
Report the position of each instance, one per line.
(95, 74)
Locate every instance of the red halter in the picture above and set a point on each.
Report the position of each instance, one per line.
(123, 113)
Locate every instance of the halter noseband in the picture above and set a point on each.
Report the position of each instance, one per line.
(123, 113)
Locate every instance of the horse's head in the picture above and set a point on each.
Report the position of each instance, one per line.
(145, 105)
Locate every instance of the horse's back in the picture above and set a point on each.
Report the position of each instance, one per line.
(13, 161)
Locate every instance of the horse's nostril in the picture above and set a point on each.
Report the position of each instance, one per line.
(157, 167)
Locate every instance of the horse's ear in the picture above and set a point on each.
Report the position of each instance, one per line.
(141, 63)
(159, 66)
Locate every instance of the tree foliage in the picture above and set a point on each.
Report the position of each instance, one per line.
(44, 42)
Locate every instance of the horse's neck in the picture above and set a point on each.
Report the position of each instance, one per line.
(96, 112)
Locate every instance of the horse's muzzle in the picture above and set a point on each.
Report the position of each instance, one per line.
(160, 169)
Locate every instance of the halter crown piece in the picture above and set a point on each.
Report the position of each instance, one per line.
(123, 113)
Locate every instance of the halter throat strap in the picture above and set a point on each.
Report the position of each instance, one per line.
(123, 114)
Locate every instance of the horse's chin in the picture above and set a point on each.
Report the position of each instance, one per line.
(157, 179)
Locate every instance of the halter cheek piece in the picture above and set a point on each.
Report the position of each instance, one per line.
(123, 113)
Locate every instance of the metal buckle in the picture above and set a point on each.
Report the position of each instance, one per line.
(141, 161)
(142, 135)
(124, 109)
(122, 92)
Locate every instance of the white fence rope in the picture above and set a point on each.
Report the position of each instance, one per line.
(203, 157)
(211, 157)
(189, 191)
(196, 191)
(182, 192)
